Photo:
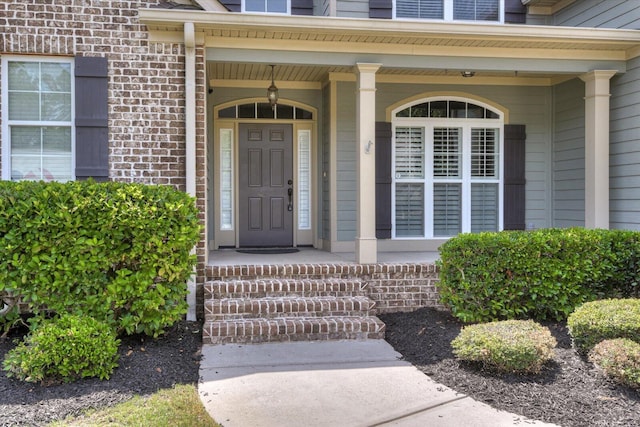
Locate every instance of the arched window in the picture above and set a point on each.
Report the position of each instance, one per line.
(447, 168)
(263, 110)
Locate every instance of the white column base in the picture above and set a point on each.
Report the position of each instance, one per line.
(366, 250)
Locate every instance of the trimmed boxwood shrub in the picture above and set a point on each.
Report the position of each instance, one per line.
(619, 359)
(512, 346)
(64, 349)
(118, 252)
(597, 321)
(542, 274)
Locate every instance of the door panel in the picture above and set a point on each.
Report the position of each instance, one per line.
(265, 178)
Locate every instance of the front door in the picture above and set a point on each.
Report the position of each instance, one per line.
(266, 185)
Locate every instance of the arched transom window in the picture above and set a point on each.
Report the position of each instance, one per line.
(447, 168)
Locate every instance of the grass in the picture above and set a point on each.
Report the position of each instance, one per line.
(176, 407)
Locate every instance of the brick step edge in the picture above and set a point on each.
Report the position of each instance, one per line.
(292, 329)
(260, 288)
(270, 307)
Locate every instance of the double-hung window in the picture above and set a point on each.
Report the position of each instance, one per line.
(448, 10)
(447, 172)
(37, 129)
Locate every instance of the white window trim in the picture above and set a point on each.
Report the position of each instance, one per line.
(288, 12)
(448, 14)
(4, 112)
(466, 180)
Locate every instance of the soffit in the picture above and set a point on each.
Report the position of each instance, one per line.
(327, 30)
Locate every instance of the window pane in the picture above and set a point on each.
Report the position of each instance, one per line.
(265, 111)
(457, 109)
(420, 110)
(438, 109)
(277, 6)
(476, 10)
(56, 107)
(409, 153)
(284, 111)
(425, 9)
(304, 180)
(447, 156)
(484, 153)
(247, 111)
(227, 113)
(404, 113)
(226, 179)
(302, 114)
(475, 111)
(484, 207)
(55, 77)
(41, 153)
(447, 208)
(255, 5)
(24, 106)
(24, 76)
(492, 115)
(409, 210)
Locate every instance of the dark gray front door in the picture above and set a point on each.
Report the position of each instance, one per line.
(266, 185)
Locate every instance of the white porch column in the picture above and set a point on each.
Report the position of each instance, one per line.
(366, 243)
(190, 138)
(596, 129)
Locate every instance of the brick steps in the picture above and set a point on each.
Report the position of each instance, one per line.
(266, 309)
(292, 329)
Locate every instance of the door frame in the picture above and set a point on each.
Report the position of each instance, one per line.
(230, 236)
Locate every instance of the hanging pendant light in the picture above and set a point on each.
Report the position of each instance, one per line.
(272, 91)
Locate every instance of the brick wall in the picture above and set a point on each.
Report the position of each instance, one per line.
(146, 79)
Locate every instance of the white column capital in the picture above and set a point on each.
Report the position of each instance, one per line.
(367, 67)
(597, 82)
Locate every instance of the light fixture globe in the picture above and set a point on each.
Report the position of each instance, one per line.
(272, 91)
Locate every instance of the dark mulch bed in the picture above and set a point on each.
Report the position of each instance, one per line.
(146, 366)
(569, 392)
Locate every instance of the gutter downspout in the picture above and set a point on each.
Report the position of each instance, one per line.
(190, 139)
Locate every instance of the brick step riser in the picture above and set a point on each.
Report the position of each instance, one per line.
(264, 289)
(291, 329)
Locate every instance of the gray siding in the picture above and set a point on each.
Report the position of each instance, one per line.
(346, 190)
(600, 13)
(624, 149)
(568, 154)
(353, 9)
(530, 106)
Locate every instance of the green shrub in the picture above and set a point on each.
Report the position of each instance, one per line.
(117, 252)
(65, 348)
(542, 274)
(619, 359)
(516, 346)
(597, 321)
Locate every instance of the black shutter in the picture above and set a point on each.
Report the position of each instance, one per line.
(302, 7)
(515, 12)
(382, 9)
(514, 177)
(383, 180)
(232, 5)
(92, 131)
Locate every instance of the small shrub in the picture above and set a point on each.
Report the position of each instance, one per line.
(619, 359)
(597, 321)
(517, 346)
(64, 349)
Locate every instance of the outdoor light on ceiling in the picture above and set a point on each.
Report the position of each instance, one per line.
(272, 91)
(467, 73)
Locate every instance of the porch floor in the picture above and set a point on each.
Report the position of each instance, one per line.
(313, 256)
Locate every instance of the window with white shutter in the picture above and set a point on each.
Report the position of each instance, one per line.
(447, 174)
(450, 10)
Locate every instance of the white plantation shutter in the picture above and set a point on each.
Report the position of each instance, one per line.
(476, 10)
(447, 155)
(423, 9)
(409, 210)
(409, 154)
(484, 207)
(447, 209)
(484, 153)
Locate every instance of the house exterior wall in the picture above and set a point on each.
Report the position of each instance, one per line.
(530, 106)
(624, 173)
(568, 155)
(146, 79)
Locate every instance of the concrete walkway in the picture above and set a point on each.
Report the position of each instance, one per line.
(332, 383)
